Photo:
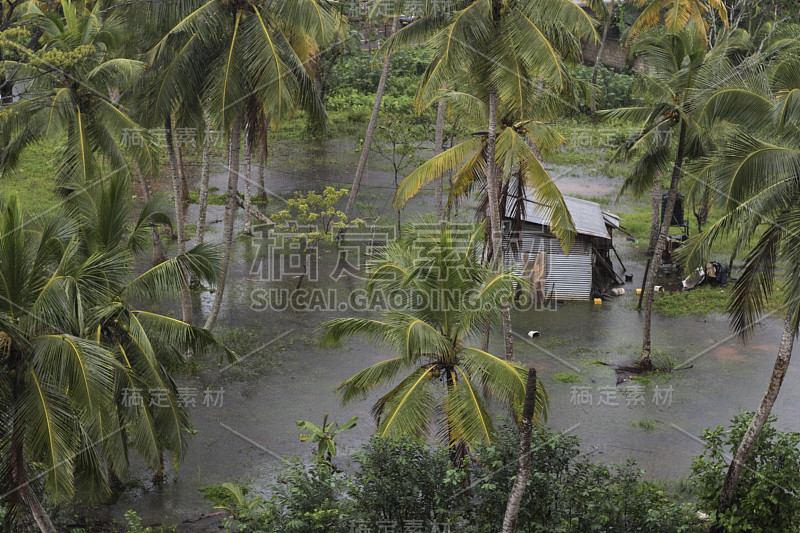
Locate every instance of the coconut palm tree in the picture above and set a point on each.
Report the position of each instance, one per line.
(678, 15)
(680, 72)
(515, 158)
(444, 384)
(69, 97)
(518, 47)
(234, 54)
(756, 177)
(80, 363)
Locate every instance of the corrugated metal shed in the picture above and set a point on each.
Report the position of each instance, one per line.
(587, 216)
(568, 277)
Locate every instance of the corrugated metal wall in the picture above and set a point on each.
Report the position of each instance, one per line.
(569, 277)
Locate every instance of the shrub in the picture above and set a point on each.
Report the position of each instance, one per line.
(405, 480)
(565, 494)
(765, 499)
(614, 89)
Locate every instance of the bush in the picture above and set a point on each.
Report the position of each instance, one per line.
(765, 499)
(408, 482)
(614, 89)
(360, 71)
(565, 494)
(405, 480)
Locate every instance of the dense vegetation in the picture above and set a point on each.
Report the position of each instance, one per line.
(99, 99)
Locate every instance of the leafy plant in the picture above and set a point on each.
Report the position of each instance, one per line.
(765, 499)
(312, 218)
(324, 435)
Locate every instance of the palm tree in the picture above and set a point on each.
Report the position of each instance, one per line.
(516, 162)
(373, 124)
(518, 47)
(515, 158)
(444, 383)
(680, 72)
(236, 55)
(68, 96)
(678, 15)
(756, 172)
(75, 350)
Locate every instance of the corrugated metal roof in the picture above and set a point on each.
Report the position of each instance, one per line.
(587, 216)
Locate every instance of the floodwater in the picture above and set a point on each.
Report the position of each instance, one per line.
(285, 377)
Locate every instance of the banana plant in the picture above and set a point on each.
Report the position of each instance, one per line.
(324, 436)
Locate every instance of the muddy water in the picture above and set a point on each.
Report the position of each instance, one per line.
(284, 377)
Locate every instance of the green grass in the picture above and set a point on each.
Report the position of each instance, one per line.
(567, 377)
(647, 424)
(33, 181)
(703, 300)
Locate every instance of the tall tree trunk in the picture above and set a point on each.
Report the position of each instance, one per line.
(205, 173)
(373, 123)
(159, 252)
(524, 470)
(181, 171)
(597, 61)
(231, 201)
(186, 301)
(761, 416)
(262, 160)
(23, 493)
(438, 147)
(701, 213)
(646, 362)
(655, 212)
(493, 189)
(248, 175)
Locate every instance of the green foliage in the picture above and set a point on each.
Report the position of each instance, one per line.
(360, 72)
(406, 479)
(566, 494)
(567, 377)
(445, 382)
(765, 499)
(307, 499)
(324, 436)
(79, 347)
(614, 89)
(134, 522)
(313, 217)
(704, 300)
(647, 424)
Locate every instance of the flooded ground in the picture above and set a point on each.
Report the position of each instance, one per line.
(246, 422)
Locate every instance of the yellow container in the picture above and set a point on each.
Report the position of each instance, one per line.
(638, 292)
(598, 301)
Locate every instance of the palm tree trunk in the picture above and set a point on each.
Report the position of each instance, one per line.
(182, 173)
(186, 301)
(438, 141)
(524, 470)
(493, 189)
(23, 492)
(761, 416)
(248, 175)
(655, 211)
(646, 362)
(262, 160)
(606, 26)
(205, 172)
(159, 252)
(373, 123)
(231, 201)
